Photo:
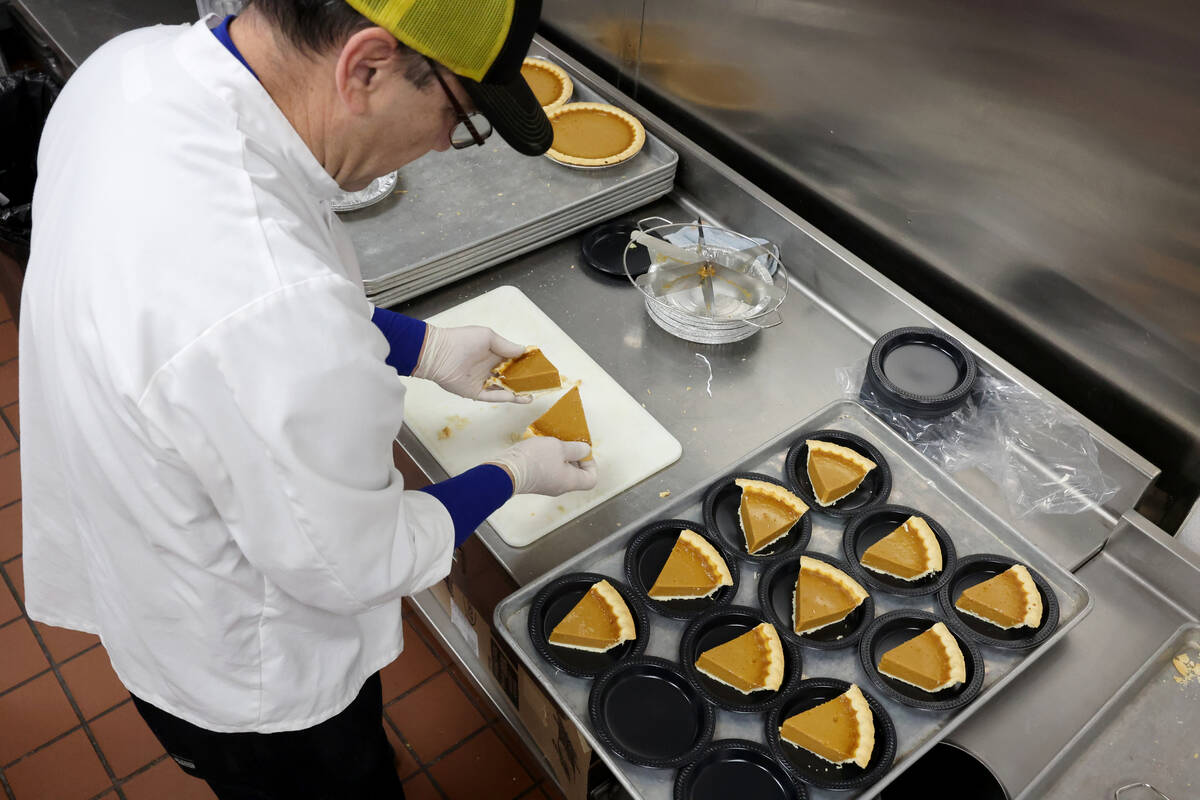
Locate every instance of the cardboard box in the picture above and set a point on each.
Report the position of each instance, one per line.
(568, 753)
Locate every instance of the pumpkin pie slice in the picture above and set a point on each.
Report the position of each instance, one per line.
(748, 663)
(550, 84)
(694, 569)
(931, 661)
(599, 621)
(824, 595)
(594, 135)
(841, 730)
(563, 420)
(766, 513)
(910, 552)
(528, 372)
(1009, 600)
(835, 471)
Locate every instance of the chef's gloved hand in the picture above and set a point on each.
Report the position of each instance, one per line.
(549, 466)
(460, 360)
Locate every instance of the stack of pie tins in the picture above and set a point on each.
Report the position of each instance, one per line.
(462, 211)
(685, 314)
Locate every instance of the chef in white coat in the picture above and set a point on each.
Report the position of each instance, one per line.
(208, 401)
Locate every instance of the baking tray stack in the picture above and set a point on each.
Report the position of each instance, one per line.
(461, 211)
(618, 698)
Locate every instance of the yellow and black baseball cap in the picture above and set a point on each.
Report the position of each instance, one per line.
(483, 42)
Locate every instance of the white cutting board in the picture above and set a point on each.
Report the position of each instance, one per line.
(628, 444)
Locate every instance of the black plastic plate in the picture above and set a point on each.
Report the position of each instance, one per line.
(894, 629)
(875, 523)
(873, 490)
(720, 626)
(648, 552)
(646, 711)
(776, 589)
(979, 568)
(736, 768)
(813, 769)
(721, 504)
(556, 600)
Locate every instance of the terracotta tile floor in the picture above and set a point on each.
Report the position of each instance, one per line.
(68, 730)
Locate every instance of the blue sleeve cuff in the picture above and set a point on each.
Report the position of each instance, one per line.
(472, 496)
(404, 335)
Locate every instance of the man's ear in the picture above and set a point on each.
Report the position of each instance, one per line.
(359, 63)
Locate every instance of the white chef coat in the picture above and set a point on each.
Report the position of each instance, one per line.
(206, 414)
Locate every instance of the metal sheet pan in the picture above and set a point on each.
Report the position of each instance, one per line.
(1148, 732)
(535, 236)
(918, 483)
(454, 202)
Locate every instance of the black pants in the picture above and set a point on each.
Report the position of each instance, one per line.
(347, 756)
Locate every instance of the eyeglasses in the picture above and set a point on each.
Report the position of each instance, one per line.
(472, 129)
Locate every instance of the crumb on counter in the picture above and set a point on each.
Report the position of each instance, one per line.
(665, 493)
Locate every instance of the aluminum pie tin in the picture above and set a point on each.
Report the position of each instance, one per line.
(646, 711)
(718, 627)
(647, 553)
(375, 191)
(873, 490)
(897, 627)
(978, 568)
(810, 767)
(736, 768)
(877, 522)
(721, 503)
(776, 589)
(553, 603)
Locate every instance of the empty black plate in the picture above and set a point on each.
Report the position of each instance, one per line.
(720, 626)
(776, 592)
(873, 490)
(604, 249)
(877, 522)
(648, 552)
(979, 568)
(556, 600)
(647, 712)
(721, 504)
(813, 769)
(736, 768)
(894, 629)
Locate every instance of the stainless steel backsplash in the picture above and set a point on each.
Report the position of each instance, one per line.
(1044, 157)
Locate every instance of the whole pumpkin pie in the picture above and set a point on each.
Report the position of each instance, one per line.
(564, 420)
(835, 471)
(748, 663)
(549, 82)
(931, 661)
(841, 730)
(599, 621)
(594, 135)
(528, 372)
(766, 513)
(1009, 600)
(824, 595)
(693, 569)
(910, 552)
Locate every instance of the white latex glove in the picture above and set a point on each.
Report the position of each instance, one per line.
(549, 466)
(460, 360)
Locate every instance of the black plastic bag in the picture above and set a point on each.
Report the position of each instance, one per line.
(25, 101)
